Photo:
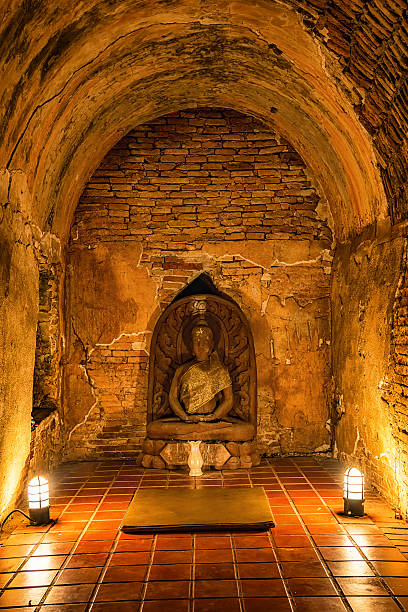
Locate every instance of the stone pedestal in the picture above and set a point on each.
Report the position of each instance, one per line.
(169, 454)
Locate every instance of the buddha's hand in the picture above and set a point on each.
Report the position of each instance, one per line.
(206, 418)
(192, 418)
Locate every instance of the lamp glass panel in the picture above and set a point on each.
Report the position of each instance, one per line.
(353, 484)
(38, 492)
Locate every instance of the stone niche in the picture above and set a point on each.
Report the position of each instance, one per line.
(225, 443)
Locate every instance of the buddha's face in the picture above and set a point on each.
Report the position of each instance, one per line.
(202, 343)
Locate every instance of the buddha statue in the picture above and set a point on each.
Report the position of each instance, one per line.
(201, 390)
(201, 397)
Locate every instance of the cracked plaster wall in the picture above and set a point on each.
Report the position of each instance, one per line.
(201, 190)
(23, 247)
(368, 337)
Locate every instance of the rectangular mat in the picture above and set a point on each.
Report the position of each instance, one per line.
(210, 508)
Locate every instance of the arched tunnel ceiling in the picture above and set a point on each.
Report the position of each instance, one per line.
(77, 78)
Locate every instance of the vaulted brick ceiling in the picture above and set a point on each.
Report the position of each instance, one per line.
(329, 76)
(370, 40)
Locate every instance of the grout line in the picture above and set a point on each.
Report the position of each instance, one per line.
(148, 568)
(279, 564)
(191, 602)
(104, 569)
(237, 578)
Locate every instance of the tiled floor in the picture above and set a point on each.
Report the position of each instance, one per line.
(314, 559)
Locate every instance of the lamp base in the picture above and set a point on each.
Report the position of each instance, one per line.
(353, 507)
(40, 516)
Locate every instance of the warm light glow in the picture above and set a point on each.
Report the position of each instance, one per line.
(38, 493)
(353, 484)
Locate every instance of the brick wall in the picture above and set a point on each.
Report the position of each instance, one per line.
(199, 190)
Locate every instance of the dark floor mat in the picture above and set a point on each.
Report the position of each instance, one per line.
(207, 509)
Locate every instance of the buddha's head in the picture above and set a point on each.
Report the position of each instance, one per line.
(203, 341)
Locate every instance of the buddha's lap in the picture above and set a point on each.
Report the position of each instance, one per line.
(171, 428)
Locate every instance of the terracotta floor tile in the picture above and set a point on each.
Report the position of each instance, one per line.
(125, 573)
(4, 578)
(44, 563)
(10, 565)
(399, 586)
(312, 569)
(129, 558)
(93, 546)
(33, 579)
(297, 554)
(340, 553)
(312, 519)
(363, 529)
(163, 589)
(214, 571)
(64, 526)
(172, 556)
(83, 575)
(26, 538)
(264, 604)
(21, 550)
(382, 554)
(332, 540)
(170, 572)
(309, 587)
(320, 604)
(325, 528)
(284, 541)
(75, 515)
(73, 593)
(56, 536)
(373, 604)
(372, 540)
(103, 515)
(248, 555)
(180, 543)
(55, 548)
(288, 519)
(251, 541)
(119, 591)
(216, 605)
(169, 605)
(222, 555)
(134, 545)
(102, 525)
(362, 586)
(91, 560)
(21, 597)
(350, 568)
(211, 542)
(215, 588)
(100, 535)
(263, 588)
(258, 570)
(391, 568)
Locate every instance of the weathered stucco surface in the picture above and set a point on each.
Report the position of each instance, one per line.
(366, 274)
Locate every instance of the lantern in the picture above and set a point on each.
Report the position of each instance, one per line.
(353, 492)
(39, 501)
